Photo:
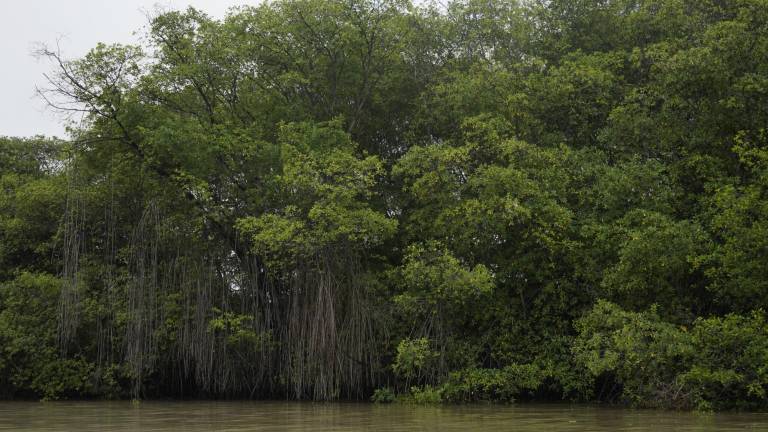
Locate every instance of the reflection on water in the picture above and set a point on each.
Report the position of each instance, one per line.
(289, 416)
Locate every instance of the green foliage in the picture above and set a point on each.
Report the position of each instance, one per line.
(718, 364)
(30, 364)
(467, 201)
(321, 193)
(383, 395)
(237, 329)
(413, 356)
(729, 368)
(656, 262)
(738, 219)
(30, 202)
(505, 384)
(425, 395)
(638, 351)
(432, 275)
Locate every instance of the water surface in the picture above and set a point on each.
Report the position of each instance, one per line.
(293, 416)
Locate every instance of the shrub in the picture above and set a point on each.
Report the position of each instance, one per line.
(383, 395)
(721, 363)
(492, 384)
(424, 395)
(413, 356)
(640, 354)
(730, 367)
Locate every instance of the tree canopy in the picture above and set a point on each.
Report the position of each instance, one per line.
(471, 200)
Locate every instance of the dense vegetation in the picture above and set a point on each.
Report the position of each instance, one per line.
(479, 200)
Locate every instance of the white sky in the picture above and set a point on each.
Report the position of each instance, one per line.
(79, 25)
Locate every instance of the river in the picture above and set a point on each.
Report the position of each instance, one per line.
(294, 416)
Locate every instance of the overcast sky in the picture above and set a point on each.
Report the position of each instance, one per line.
(79, 25)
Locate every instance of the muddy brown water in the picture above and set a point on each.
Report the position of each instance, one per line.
(293, 416)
